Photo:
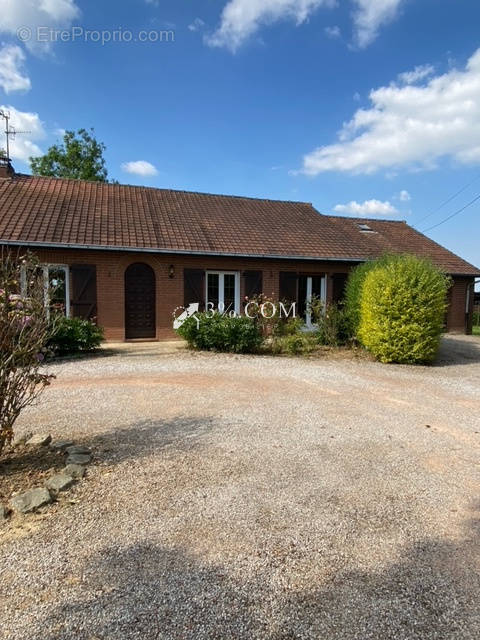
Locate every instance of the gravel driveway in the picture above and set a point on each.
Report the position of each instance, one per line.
(256, 498)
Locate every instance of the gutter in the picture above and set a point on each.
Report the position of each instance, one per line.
(216, 254)
(88, 247)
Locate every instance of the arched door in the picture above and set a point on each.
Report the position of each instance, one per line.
(140, 301)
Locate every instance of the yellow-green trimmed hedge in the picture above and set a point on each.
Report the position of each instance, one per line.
(402, 310)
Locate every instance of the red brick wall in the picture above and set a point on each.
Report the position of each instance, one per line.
(111, 266)
(458, 321)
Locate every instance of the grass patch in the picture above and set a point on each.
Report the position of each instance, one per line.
(476, 331)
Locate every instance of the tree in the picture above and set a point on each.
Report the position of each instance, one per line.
(25, 327)
(79, 157)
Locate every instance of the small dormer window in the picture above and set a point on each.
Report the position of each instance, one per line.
(365, 228)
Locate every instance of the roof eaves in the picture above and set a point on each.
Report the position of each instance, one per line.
(59, 245)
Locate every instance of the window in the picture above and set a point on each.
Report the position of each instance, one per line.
(309, 286)
(223, 291)
(365, 228)
(56, 283)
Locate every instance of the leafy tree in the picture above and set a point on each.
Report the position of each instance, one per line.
(79, 157)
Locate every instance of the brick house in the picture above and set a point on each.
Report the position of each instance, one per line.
(129, 256)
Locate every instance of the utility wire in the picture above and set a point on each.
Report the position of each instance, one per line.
(456, 213)
(440, 206)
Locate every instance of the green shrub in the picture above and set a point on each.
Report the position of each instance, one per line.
(288, 327)
(402, 309)
(74, 335)
(217, 332)
(295, 344)
(332, 326)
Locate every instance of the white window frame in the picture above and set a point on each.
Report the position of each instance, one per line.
(58, 267)
(46, 284)
(323, 297)
(221, 288)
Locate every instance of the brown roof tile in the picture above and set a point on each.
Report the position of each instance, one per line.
(56, 212)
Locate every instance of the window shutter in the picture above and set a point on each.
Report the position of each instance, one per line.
(84, 291)
(339, 284)
(288, 286)
(253, 283)
(194, 287)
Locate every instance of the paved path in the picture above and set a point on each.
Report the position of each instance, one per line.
(256, 497)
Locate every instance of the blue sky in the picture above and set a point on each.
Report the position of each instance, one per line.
(366, 107)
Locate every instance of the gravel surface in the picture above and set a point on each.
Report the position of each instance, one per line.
(255, 498)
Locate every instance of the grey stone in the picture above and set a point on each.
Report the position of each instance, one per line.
(79, 458)
(75, 470)
(61, 445)
(78, 448)
(41, 439)
(59, 482)
(18, 441)
(31, 500)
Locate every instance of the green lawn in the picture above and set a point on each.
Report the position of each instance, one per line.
(476, 331)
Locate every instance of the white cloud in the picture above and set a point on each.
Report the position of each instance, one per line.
(409, 127)
(370, 15)
(140, 168)
(404, 196)
(32, 14)
(12, 75)
(367, 208)
(242, 18)
(333, 32)
(419, 73)
(24, 144)
(197, 25)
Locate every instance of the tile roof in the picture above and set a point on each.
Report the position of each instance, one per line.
(60, 212)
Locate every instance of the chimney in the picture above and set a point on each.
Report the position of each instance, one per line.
(6, 169)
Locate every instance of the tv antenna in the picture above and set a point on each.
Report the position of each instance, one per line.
(10, 132)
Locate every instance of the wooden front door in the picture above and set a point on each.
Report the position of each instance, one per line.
(139, 302)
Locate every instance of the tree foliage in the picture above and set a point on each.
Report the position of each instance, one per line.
(25, 328)
(80, 157)
(402, 309)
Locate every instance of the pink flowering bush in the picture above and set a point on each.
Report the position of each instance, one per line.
(25, 328)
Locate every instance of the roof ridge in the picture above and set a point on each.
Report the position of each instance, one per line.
(361, 219)
(147, 188)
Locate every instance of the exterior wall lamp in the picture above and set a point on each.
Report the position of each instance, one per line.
(171, 271)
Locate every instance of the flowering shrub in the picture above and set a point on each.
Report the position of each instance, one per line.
(24, 332)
